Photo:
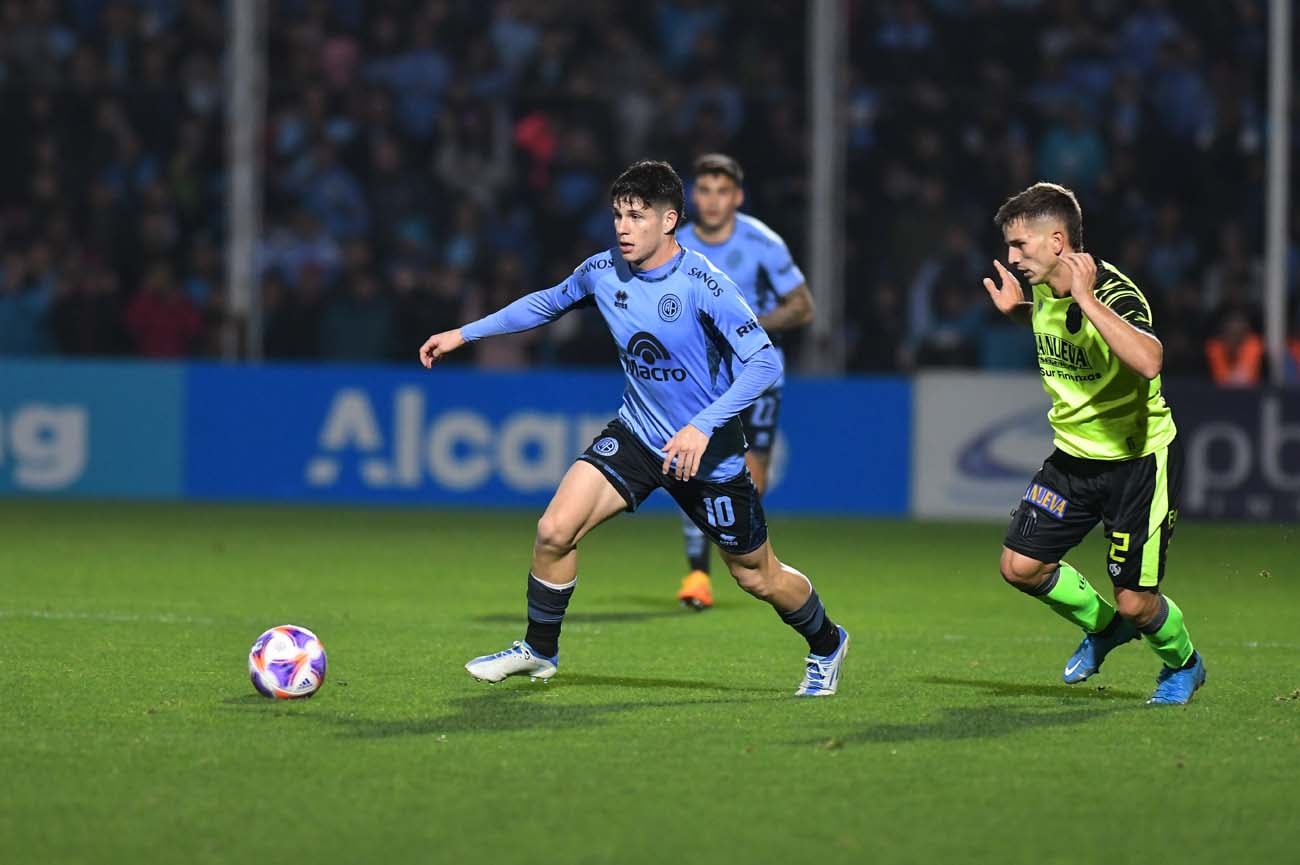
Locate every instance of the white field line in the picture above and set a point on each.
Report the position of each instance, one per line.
(107, 616)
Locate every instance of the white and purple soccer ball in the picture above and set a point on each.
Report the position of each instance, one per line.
(287, 662)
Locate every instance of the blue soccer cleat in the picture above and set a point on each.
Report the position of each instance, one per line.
(518, 660)
(1176, 687)
(822, 675)
(1086, 660)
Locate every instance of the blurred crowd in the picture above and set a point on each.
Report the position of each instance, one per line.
(426, 161)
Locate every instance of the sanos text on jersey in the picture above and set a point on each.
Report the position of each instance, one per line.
(703, 276)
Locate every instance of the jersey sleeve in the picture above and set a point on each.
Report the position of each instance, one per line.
(534, 310)
(780, 268)
(1126, 302)
(725, 312)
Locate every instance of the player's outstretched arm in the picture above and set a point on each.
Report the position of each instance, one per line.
(1007, 295)
(440, 344)
(1138, 350)
(530, 311)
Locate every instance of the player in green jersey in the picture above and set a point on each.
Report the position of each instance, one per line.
(1118, 460)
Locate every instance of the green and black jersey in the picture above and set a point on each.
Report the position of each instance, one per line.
(1101, 409)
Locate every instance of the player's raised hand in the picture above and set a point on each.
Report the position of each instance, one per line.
(1008, 295)
(1081, 269)
(439, 344)
(687, 447)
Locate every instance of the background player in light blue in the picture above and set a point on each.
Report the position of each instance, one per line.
(694, 357)
(758, 261)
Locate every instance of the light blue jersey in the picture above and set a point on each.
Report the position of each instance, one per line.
(678, 329)
(756, 258)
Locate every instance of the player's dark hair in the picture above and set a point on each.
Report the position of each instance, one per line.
(1045, 200)
(719, 163)
(653, 183)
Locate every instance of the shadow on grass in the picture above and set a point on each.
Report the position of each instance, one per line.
(1019, 689)
(246, 700)
(517, 705)
(968, 722)
(585, 680)
(511, 710)
(1073, 706)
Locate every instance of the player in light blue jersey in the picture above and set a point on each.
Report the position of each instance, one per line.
(694, 357)
(757, 259)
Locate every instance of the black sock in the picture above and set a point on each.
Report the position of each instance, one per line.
(826, 640)
(697, 546)
(543, 637)
(811, 621)
(546, 608)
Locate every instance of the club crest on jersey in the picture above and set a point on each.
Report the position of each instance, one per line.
(670, 307)
(1048, 500)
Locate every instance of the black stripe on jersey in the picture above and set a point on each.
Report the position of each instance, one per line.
(720, 351)
(1118, 293)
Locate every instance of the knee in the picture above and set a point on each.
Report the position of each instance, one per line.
(555, 536)
(752, 580)
(1023, 572)
(1137, 607)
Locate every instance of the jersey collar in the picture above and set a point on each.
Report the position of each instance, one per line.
(663, 271)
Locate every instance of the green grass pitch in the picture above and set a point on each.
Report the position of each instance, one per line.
(129, 731)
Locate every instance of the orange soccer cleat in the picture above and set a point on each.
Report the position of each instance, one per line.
(696, 591)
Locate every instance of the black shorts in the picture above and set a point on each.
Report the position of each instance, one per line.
(759, 422)
(729, 512)
(1135, 500)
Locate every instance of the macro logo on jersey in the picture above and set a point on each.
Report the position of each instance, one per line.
(707, 278)
(1048, 499)
(670, 307)
(650, 351)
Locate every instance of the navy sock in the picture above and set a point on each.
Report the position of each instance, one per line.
(546, 608)
(697, 546)
(811, 621)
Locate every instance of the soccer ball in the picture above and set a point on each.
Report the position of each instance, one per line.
(287, 662)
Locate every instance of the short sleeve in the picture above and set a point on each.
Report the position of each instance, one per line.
(780, 268)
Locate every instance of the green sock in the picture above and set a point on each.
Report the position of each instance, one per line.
(1075, 600)
(1167, 635)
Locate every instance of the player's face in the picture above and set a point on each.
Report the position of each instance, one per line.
(643, 231)
(716, 198)
(1034, 246)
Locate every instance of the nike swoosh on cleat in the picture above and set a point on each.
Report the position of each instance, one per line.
(1069, 671)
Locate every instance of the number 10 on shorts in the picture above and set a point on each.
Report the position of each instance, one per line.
(719, 512)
